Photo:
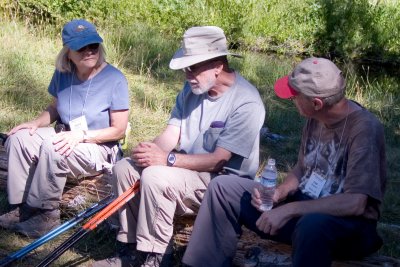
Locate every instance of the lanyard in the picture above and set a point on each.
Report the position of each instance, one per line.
(70, 95)
(340, 140)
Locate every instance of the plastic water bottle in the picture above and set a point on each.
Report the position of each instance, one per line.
(267, 185)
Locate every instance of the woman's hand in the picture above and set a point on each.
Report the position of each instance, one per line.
(65, 142)
(32, 125)
(45, 119)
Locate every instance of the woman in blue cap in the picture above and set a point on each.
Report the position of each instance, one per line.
(90, 104)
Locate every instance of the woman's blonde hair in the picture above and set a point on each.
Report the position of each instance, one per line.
(64, 64)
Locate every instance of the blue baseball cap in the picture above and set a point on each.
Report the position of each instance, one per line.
(79, 33)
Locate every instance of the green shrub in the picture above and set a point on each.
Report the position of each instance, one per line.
(349, 29)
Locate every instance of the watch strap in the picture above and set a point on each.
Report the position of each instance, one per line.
(171, 158)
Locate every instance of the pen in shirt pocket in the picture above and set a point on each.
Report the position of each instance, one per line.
(217, 124)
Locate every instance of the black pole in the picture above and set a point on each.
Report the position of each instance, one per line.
(63, 247)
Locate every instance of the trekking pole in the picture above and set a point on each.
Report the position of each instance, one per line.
(91, 224)
(57, 231)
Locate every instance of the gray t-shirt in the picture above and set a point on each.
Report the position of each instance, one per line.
(232, 121)
(94, 98)
(350, 155)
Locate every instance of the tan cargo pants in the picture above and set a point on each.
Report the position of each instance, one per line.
(37, 174)
(164, 191)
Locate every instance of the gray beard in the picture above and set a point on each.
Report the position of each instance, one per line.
(199, 91)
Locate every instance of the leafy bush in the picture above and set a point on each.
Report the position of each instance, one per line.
(348, 29)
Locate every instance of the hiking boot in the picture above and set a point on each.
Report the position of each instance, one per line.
(39, 224)
(127, 256)
(158, 260)
(20, 213)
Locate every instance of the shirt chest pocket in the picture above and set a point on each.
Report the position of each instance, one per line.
(210, 138)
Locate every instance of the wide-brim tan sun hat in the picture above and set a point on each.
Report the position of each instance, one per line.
(200, 44)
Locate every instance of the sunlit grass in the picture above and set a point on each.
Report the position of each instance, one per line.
(27, 62)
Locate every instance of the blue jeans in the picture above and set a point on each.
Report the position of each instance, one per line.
(316, 238)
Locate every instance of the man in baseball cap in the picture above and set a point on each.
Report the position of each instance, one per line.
(213, 128)
(314, 77)
(329, 203)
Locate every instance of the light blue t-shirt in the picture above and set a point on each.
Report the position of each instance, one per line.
(232, 121)
(94, 98)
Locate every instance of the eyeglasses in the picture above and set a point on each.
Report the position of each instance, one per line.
(194, 69)
(187, 69)
(91, 47)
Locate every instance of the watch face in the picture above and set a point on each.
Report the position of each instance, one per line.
(171, 159)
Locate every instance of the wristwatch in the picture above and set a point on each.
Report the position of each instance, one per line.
(171, 159)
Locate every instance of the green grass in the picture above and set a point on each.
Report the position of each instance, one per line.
(27, 61)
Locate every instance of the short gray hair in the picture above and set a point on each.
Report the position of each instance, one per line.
(333, 99)
(64, 64)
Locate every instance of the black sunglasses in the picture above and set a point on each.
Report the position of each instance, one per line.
(91, 47)
(194, 69)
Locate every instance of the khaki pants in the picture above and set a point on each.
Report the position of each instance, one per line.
(37, 174)
(164, 191)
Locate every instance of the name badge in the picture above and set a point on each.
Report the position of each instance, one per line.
(78, 124)
(314, 185)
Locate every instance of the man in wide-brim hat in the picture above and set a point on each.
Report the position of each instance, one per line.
(213, 129)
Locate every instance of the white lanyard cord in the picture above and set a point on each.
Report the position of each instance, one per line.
(70, 95)
(340, 140)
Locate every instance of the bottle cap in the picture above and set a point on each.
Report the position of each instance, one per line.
(271, 161)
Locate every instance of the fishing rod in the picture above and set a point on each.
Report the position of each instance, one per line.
(91, 224)
(57, 231)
